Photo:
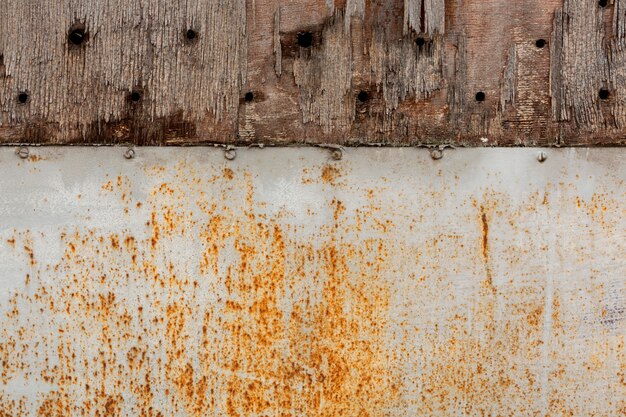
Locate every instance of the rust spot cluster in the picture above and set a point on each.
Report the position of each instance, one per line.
(218, 306)
(219, 340)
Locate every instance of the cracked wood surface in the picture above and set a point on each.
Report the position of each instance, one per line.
(398, 72)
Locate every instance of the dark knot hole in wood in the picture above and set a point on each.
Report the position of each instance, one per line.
(249, 97)
(603, 3)
(540, 43)
(480, 96)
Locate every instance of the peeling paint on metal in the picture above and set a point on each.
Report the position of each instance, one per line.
(282, 284)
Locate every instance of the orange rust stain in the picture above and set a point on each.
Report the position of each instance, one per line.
(111, 406)
(11, 241)
(600, 209)
(115, 241)
(338, 209)
(189, 387)
(56, 404)
(211, 236)
(330, 174)
(484, 222)
(263, 322)
(557, 323)
(164, 189)
(485, 370)
(31, 255)
(305, 177)
(156, 230)
(485, 233)
(228, 173)
(535, 317)
(336, 365)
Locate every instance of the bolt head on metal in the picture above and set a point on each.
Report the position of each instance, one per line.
(436, 154)
(336, 154)
(23, 152)
(542, 156)
(230, 154)
(129, 153)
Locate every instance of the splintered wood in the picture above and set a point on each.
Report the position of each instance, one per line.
(397, 72)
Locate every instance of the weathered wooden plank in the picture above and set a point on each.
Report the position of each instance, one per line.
(399, 72)
(135, 76)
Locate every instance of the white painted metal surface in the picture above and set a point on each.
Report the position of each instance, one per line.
(284, 283)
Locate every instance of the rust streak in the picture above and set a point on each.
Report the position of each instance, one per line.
(485, 235)
(485, 249)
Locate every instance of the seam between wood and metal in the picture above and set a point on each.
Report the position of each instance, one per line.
(315, 145)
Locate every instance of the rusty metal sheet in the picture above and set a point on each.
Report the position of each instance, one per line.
(284, 283)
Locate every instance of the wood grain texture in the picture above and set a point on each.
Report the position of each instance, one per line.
(390, 72)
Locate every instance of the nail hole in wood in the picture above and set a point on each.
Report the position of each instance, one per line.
(134, 96)
(305, 39)
(603, 3)
(540, 43)
(420, 41)
(22, 97)
(77, 36)
(480, 96)
(249, 96)
(604, 94)
(363, 96)
(191, 35)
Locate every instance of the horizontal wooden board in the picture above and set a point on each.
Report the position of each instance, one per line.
(391, 72)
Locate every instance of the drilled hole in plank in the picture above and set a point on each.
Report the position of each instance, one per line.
(191, 35)
(540, 43)
(249, 96)
(305, 39)
(603, 3)
(480, 96)
(134, 96)
(363, 96)
(77, 36)
(420, 41)
(22, 97)
(604, 94)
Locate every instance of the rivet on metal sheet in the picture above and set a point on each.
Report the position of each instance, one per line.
(436, 154)
(230, 153)
(129, 153)
(336, 154)
(542, 156)
(23, 152)
(336, 151)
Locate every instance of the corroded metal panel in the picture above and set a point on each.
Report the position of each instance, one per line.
(284, 283)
